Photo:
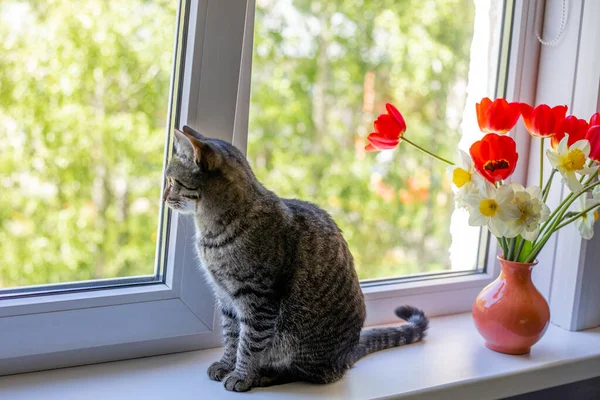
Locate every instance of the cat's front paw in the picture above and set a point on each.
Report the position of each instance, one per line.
(235, 382)
(218, 370)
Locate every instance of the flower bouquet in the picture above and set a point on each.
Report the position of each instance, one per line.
(516, 215)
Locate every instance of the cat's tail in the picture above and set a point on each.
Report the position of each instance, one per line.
(375, 339)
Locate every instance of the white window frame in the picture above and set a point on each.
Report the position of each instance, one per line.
(568, 274)
(455, 294)
(179, 314)
(66, 329)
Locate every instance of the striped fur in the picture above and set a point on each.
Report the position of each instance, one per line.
(375, 339)
(292, 307)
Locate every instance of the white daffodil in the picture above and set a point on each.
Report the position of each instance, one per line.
(532, 211)
(571, 160)
(596, 193)
(465, 179)
(585, 224)
(494, 208)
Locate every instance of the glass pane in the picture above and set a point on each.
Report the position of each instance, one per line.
(84, 90)
(322, 72)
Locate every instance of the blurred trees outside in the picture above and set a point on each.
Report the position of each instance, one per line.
(322, 72)
(83, 104)
(84, 101)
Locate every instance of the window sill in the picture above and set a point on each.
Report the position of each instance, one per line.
(451, 363)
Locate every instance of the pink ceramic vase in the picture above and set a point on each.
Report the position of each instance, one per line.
(510, 313)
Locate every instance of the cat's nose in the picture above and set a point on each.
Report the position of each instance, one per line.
(168, 187)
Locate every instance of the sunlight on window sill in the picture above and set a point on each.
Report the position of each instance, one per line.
(451, 363)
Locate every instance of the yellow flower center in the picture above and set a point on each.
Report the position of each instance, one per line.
(585, 216)
(488, 207)
(460, 177)
(574, 160)
(525, 215)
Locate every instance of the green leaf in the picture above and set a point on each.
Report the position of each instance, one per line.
(527, 247)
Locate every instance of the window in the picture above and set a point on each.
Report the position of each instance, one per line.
(322, 72)
(83, 110)
(169, 307)
(139, 305)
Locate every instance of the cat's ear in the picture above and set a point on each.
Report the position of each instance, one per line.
(200, 150)
(182, 145)
(192, 132)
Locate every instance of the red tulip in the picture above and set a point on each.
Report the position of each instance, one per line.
(593, 135)
(495, 157)
(388, 130)
(498, 116)
(574, 127)
(595, 119)
(543, 121)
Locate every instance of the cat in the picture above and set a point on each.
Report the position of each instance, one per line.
(283, 276)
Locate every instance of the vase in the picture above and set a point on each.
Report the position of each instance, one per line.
(510, 313)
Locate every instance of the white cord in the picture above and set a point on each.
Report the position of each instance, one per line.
(563, 23)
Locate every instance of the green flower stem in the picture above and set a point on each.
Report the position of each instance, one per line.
(560, 207)
(546, 190)
(511, 249)
(556, 221)
(519, 249)
(542, 162)
(577, 216)
(499, 239)
(563, 208)
(550, 219)
(504, 245)
(404, 139)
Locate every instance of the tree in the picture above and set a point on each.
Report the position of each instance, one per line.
(83, 107)
(322, 71)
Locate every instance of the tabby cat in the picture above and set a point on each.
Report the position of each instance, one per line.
(292, 308)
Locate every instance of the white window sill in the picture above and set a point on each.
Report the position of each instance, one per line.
(452, 363)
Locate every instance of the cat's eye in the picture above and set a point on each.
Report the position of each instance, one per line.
(184, 186)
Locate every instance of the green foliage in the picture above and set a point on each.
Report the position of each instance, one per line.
(313, 105)
(83, 105)
(83, 108)
(525, 251)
